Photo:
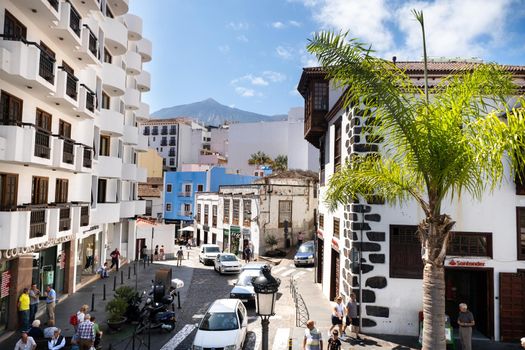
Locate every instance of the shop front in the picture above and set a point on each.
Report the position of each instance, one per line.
(5, 284)
(49, 268)
(235, 236)
(225, 240)
(89, 248)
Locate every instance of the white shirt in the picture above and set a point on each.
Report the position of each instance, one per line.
(52, 344)
(30, 345)
(339, 308)
(80, 317)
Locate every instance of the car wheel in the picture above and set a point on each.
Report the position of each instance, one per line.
(296, 265)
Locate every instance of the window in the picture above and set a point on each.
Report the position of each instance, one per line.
(10, 109)
(109, 13)
(101, 191)
(155, 131)
(71, 81)
(285, 213)
(336, 227)
(520, 211)
(470, 244)
(64, 129)
(168, 187)
(146, 130)
(61, 191)
(173, 130)
(168, 206)
(172, 161)
(47, 64)
(164, 141)
(43, 134)
(321, 221)
(104, 145)
(226, 212)
(149, 206)
(337, 146)
(13, 28)
(320, 96)
(199, 213)
(214, 216)
(164, 130)
(200, 188)
(74, 20)
(322, 160)
(107, 56)
(172, 142)
(187, 188)
(39, 190)
(235, 220)
(206, 214)
(171, 152)
(247, 212)
(43, 120)
(8, 191)
(405, 253)
(106, 102)
(187, 209)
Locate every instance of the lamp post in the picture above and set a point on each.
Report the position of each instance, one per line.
(265, 287)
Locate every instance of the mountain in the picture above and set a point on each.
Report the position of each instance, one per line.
(211, 112)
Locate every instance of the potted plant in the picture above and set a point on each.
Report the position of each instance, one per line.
(132, 299)
(116, 310)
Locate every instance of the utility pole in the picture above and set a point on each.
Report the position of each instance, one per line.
(151, 247)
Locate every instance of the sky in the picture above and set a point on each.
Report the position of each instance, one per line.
(249, 54)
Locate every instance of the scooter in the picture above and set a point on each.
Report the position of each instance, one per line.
(155, 315)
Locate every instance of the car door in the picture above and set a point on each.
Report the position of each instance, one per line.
(243, 323)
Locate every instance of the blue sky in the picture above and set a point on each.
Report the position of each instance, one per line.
(249, 53)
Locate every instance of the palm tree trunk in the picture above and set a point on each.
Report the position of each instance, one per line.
(434, 307)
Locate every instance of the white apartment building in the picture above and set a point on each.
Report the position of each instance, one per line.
(485, 261)
(71, 79)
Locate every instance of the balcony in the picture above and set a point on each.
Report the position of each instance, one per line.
(30, 224)
(111, 122)
(105, 213)
(164, 131)
(85, 6)
(144, 49)
(109, 167)
(184, 194)
(40, 12)
(142, 144)
(144, 81)
(68, 28)
(134, 24)
(12, 136)
(113, 79)
(66, 96)
(64, 151)
(129, 172)
(42, 147)
(116, 36)
(185, 213)
(173, 130)
(84, 155)
(22, 63)
(131, 135)
(86, 103)
(133, 63)
(118, 7)
(142, 175)
(142, 114)
(84, 215)
(132, 99)
(127, 209)
(88, 52)
(60, 221)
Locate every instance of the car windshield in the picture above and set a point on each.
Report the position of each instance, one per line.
(245, 279)
(306, 248)
(212, 250)
(219, 321)
(228, 258)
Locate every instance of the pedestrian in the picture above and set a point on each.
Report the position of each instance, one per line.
(144, 253)
(156, 253)
(103, 270)
(180, 255)
(313, 339)
(57, 341)
(86, 333)
(337, 315)
(250, 244)
(188, 243)
(465, 322)
(34, 297)
(162, 252)
(247, 254)
(351, 317)
(81, 315)
(300, 238)
(98, 332)
(35, 331)
(334, 343)
(23, 309)
(26, 342)
(51, 298)
(50, 330)
(115, 257)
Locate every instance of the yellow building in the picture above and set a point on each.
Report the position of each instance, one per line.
(152, 161)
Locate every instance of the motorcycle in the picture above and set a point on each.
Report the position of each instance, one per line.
(155, 315)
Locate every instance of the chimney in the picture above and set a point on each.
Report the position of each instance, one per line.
(394, 59)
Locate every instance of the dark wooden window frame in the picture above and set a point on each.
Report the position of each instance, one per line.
(226, 211)
(199, 208)
(236, 211)
(281, 213)
(320, 96)
(321, 221)
(11, 108)
(520, 241)
(39, 190)
(214, 216)
(338, 144)
(412, 269)
(61, 190)
(336, 228)
(206, 214)
(8, 191)
(105, 145)
(247, 212)
(454, 251)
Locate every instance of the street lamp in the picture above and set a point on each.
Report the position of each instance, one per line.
(265, 287)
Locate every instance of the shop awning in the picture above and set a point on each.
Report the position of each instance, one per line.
(187, 229)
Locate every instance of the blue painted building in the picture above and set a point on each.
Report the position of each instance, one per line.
(180, 188)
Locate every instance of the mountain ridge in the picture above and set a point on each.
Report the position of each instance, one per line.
(211, 112)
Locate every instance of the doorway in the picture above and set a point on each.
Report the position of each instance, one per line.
(198, 237)
(213, 238)
(141, 242)
(473, 287)
(320, 252)
(512, 305)
(205, 237)
(334, 275)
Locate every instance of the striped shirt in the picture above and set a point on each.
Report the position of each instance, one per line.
(85, 330)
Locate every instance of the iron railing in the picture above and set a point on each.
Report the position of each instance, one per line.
(37, 223)
(53, 3)
(86, 162)
(47, 67)
(84, 216)
(68, 155)
(42, 148)
(71, 84)
(92, 42)
(301, 310)
(65, 219)
(74, 20)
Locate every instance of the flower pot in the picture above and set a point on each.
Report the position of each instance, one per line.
(116, 325)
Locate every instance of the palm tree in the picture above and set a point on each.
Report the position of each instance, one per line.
(433, 149)
(280, 163)
(260, 158)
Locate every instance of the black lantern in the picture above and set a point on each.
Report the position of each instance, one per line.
(265, 287)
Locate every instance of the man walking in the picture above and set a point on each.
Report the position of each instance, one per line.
(312, 337)
(115, 257)
(465, 322)
(351, 316)
(23, 310)
(86, 333)
(34, 296)
(180, 255)
(300, 239)
(51, 298)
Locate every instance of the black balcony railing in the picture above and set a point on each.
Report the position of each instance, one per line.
(145, 132)
(54, 4)
(164, 131)
(93, 42)
(84, 216)
(68, 155)
(173, 143)
(74, 20)
(171, 154)
(163, 143)
(37, 223)
(47, 67)
(65, 219)
(173, 131)
(86, 162)
(71, 84)
(42, 140)
(155, 132)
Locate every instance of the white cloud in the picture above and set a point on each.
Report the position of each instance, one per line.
(242, 38)
(307, 59)
(284, 52)
(250, 78)
(294, 23)
(224, 49)
(247, 92)
(274, 77)
(278, 25)
(241, 25)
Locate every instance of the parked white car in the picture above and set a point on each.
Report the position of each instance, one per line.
(243, 288)
(227, 263)
(224, 326)
(208, 253)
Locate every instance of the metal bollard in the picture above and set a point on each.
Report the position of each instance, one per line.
(135, 268)
(121, 276)
(104, 292)
(110, 347)
(92, 301)
(290, 344)
(145, 262)
(114, 282)
(178, 300)
(129, 272)
(188, 255)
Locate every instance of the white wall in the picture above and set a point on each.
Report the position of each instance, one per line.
(164, 234)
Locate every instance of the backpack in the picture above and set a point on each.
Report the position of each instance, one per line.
(73, 320)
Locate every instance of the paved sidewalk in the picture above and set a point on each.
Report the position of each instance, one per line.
(70, 304)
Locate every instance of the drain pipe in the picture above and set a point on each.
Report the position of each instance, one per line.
(361, 273)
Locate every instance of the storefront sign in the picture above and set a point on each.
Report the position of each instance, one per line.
(466, 263)
(6, 284)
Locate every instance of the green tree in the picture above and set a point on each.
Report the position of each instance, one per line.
(259, 158)
(280, 163)
(434, 149)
